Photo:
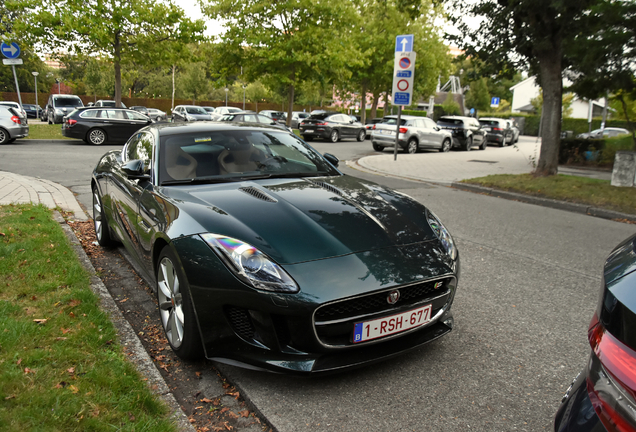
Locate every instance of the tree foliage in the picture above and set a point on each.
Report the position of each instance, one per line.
(120, 30)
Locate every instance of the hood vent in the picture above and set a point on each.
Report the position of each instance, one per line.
(329, 187)
(257, 193)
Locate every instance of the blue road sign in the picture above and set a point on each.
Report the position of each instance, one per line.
(403, 74)
(404, 43)
(402, 98)
(494, 102)
(10, 50)
(405, 63)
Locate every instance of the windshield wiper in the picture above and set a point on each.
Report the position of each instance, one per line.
(216, 179)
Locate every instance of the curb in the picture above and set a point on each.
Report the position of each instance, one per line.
(546, 202)
(128, 338)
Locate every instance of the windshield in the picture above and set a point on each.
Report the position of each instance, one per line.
(393, 121)
(62, 102)
(234, 155)
(195, 110)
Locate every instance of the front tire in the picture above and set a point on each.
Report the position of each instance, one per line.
(377, 147)
(469, 144)
(175, 307)
(362, 135)
(334, 136)
(96, 136)
(446, 146)
(483, 145)
(100, 222)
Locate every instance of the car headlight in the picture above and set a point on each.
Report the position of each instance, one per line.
(442, 234)
(251, 265)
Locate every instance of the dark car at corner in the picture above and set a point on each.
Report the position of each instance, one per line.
(466, 131)
(103, 125)
(264, 255)
(602, 397)
(331, 126)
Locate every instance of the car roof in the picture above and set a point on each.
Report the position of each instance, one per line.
(492, 118)
(404, 117)
(165, 129)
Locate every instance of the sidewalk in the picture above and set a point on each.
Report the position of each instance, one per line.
(18, 189)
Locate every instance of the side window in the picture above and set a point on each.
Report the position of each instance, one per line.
(89, 114)
(264, 119)
(133, 115)
(249, 118)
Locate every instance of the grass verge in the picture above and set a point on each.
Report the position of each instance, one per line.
(61, 367)
(45, 131)
(581, 190)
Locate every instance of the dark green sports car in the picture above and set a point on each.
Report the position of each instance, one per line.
(265, 256)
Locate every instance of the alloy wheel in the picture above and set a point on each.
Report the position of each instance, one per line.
(97, 136)
(412, 146)
(97, 215)
(170, 302)
(3, 136)
(334, 136)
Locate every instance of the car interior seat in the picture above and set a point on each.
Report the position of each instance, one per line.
(240, 157)
(179, 164)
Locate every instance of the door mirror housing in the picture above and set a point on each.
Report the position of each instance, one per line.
(333, 160)
(135, 170)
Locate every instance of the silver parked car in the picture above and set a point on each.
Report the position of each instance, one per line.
(608, 132)
(189, 113)
(13, 124)
(415, 133)
(157, 115)
(297, 117)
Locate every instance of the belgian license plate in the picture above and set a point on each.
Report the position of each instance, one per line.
(367, 330)
(309, 131)
(387, 132)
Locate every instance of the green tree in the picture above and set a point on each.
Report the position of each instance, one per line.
(287, 41)
(478, 96)
(193, 79)
(121, 30)
(256, 92)
(528, 32)
(449, 106)
(379, 23)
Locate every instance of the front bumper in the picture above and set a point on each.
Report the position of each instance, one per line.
(312, 331)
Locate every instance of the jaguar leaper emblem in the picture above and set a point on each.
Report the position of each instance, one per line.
(393, 297)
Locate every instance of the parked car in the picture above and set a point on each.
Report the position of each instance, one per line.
(515, 130)
(369, 125)
(608, 132)
(254, 118)
(59, 105)
(16, 106)
(467, 132)
(13, 124)
(213, 114)
(276, 115)
(103, 125)
(222, 110)
(497, 130)
(141, 109)
(331, 126)
(189, 113)
(108, 103)
(415, 133)
(297, 117)
(157, 115)
(602, 397)
(32, 111)
(264, 255)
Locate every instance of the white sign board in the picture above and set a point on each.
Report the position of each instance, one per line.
(17, 61)
(403, 73)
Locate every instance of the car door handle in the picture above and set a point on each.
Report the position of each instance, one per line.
(143, 224)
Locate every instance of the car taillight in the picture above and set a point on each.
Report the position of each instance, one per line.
(373, 127)
(71, 122)
(15, 119)
(403, 130)
(320, 124)
(497, 129)
(611, 381)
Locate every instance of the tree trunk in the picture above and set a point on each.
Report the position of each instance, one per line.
(174, 88)
(363, 103)
(117, 63)
(550, 64)
(374, 105)
(290, 107)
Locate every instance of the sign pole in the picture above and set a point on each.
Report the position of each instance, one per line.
(397, 132)
(17, 87)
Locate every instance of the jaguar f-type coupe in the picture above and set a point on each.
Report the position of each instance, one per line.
(264, 255)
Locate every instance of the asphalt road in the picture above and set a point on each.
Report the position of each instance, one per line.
(529, 286)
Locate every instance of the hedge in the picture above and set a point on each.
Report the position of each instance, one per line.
(592, 152)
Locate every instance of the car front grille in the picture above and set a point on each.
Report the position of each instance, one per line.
(241, 322)
(334, 322)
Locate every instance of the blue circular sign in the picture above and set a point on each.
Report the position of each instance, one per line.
(405, 63)
(11, 50)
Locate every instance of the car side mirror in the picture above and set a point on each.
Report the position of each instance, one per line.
(135, 170)
(437, 128)
(331, 159)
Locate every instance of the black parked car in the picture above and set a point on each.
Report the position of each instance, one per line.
(265, 256)
(467, 132)
(498, 131)
(103, 125)
(251, 117)
(602, 397)
(32, 111)
(332, 126)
